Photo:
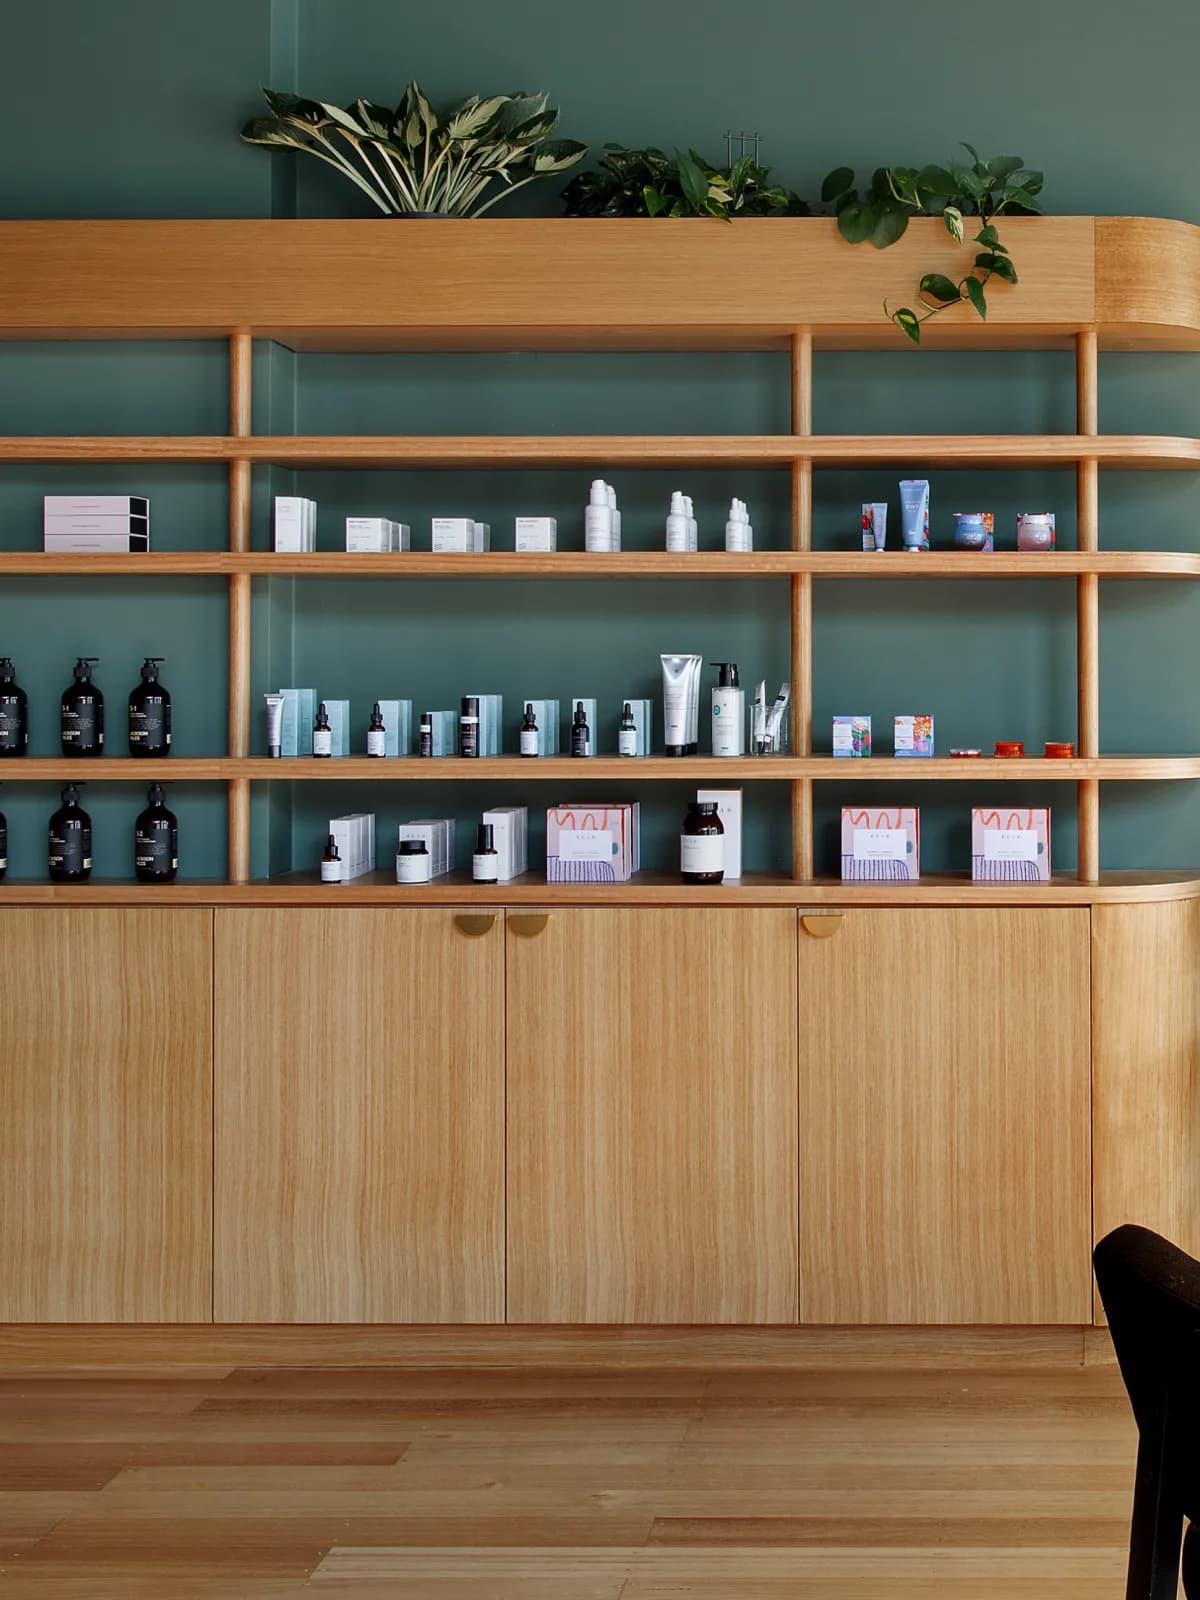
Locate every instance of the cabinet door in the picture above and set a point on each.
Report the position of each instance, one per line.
(359, 1122)
(652, 1116)
(945, 1117)
(106, 1115)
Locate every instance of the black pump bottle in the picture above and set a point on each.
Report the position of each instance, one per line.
(14, 713)
(83, 713)
(156, 840)
(70, 840)
(150, 714)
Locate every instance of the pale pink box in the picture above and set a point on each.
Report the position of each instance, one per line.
(881, 844)
(592, 843)
(1009, 845)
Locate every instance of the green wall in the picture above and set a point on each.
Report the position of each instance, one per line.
(136, 106)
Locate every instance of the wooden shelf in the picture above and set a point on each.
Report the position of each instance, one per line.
(629, 564)
(126, 769)
(645, 889)
(591, 451)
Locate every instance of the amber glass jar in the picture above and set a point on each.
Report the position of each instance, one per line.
(1010, 749)
(1059, 751)
(702, 844)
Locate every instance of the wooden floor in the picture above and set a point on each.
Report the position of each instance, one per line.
(565, 1484)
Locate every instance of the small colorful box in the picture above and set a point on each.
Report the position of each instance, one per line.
(881, 845)
(913, 736)
(1010, 846)
(591, 843)
(852, 736)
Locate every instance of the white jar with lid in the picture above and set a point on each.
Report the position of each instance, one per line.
(412, 862)
(1035, 530)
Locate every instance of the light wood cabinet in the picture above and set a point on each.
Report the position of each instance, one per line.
(652, 1116)
(945, 1117)
(105, 1116)
(359, 1127)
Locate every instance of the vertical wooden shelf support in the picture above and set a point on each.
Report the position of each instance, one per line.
(802, 663)
(1087, 502)
(240, 380)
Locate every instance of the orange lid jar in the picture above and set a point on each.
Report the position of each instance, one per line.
(1061, 750)
(1010, 748)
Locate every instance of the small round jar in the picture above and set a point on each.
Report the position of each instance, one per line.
(702, 844)
(412, 862)
(1035, 530)
(970, 530)
(1009, 749)
(965, 754)
(1060, 750)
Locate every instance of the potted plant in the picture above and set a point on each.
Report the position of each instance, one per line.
(410, 161)
(648, 183)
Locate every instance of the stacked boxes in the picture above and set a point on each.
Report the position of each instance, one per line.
(98, 523)
(881, 845)
(592, 843)
(1010, 845)
(445, 733)
(295, 523)
(510, 835)
(459, 535)
(377, 535)
(438, 834)
(354, 836)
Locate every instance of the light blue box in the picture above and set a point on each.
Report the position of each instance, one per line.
(547, 713)
(643, 721)
(299, 714)
(338, 712)
(445, 732)
(397, 727)
(491, 723)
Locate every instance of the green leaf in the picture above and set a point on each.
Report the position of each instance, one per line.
(903, 181)
(1001, 166)
(473, 116)
(953, 219)
(375, 119)
(941, 288)
(693, 179)
(556, 155)
(889, 226)
(837, 183)
(654, 200)
(909, 322)
(935, 180)
(988, 235)
(970, 149)
(856, 222)
(1000, 265)
(274, 131)
(976, 296)
(850, 198)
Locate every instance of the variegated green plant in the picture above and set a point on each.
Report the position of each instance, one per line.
(412, 160)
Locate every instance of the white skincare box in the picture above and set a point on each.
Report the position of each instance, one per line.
(338, 712)
(536, 533)
(510, 835)
(397, 727)
(354, 836)
(438, 834)
(591, 712)
(452, 535)
(376, 535)
(295, 524)
(96, 505)
(729, 808)
(592, 843)
(483, 537)
(643, 721)
(100, 535)
(547, 713)
(299, 714)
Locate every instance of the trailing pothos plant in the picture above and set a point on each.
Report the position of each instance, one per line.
(413, 160)
(981, 192)
(649, 183)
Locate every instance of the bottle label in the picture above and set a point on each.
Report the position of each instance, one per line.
(376, 742)
(322, 742)
(702, 852)
(529, 741)
(485, 868)
(413, 868)
(627, 742)
(331, 872)
(148, 727)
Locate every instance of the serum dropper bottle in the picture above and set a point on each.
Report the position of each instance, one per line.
(331, 862)
(581, 734)
(627, 733)
(376, 733)
(530, 737)
(322, 733)
(485, 863)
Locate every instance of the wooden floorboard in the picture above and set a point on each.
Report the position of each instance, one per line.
(565, 1483)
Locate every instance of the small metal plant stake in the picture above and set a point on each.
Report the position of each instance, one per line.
(754, 140)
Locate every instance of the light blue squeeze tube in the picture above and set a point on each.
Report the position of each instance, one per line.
(914, 513)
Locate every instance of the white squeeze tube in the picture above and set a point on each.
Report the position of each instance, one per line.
(681, 703)
(274, 724)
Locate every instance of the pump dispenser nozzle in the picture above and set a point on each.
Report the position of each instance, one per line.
(727, 674)
(83, 668)
(150, 668)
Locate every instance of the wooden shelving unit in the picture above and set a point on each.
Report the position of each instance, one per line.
(761, 285)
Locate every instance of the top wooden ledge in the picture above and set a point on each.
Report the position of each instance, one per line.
(576, 284)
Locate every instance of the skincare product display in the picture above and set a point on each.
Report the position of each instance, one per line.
(769, 728)
(337, 715)
(510, 833)
(602, 519)
(914, 513)
(437, 835)
(681, 703)
(729, 809)
(702, 844)
(546, 716)
(412, 862)
(459, 536)
(298, 714)
(1010, 846)
(331, 862)
(679, 525)
(852, 736)
(377, 535)
(881, 845)
(535, 534)
(485, 863)
(95, 523)
(150, 713)
(70, 853)
(728, 712)
(627, 737)
(354, 836)
(295, 524)
(592, 843)
(583, 726)
(1035, 530)
(156, 840)
(874, 525)
(739, 535)
(83, 713)
(14, 712)
(912, 736)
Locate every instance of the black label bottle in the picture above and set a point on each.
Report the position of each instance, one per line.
(377, 733)
(70, 840)
(83, 713)
(468, 726)
(156, 840)
(425, 737)
(14, 713)
(581, 734)
(150, 714)
(322, 733)
(3, 844)
(530, 737)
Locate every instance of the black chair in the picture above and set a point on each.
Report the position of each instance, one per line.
(1151, 1295)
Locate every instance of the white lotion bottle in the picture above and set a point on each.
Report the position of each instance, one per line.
(597, 518)
(614, 512)
(739, 535)
(728, 712)
(678, 528)
(693, 525)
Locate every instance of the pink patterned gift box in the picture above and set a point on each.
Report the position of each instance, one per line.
(591, 843)
(881, 844)
(1010, 846)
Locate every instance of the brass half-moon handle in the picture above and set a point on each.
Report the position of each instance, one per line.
(529, 927)
(475, 925)
(822, 927)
